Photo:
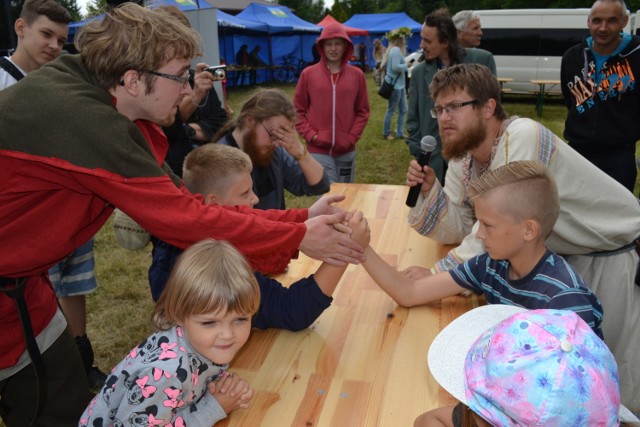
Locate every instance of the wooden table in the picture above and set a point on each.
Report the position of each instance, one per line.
(542, 84)
(363, 362)
(502, 81)
(240, 71)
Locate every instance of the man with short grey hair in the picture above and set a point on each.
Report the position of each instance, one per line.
(601, 93)
(467, 23)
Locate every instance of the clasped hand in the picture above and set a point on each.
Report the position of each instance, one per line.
(231, 392)
(328, 236)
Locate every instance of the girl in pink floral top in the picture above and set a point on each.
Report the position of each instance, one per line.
(177, 376)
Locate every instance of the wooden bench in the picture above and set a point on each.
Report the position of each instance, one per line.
(543, 91)
(546, 92)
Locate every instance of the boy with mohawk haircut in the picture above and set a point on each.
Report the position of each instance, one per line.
(516, 206)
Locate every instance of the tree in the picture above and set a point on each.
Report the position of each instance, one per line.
(310, 10)
(363, 6)
(73, 8)
(416, 9)
(96, 7)
(339, 11)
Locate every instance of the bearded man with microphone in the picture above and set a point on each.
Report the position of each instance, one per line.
(439, 42)
(599, 221)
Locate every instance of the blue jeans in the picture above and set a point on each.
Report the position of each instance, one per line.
(397, 100)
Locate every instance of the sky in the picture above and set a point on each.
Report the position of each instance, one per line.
(83, 5)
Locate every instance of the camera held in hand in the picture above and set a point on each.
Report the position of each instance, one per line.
(219, 72)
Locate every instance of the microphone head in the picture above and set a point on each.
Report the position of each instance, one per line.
(428, 144)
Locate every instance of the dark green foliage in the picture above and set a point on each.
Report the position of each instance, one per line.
(342, 10)
(310, 10)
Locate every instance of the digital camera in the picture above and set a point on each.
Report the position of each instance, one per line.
(219, 71)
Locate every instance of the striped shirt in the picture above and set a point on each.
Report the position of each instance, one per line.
(552, 284)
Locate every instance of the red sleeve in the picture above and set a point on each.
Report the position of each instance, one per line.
(269, 239)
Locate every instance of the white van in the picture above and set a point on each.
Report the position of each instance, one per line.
(528, 44)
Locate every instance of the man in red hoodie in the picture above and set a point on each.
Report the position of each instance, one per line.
(332, 105)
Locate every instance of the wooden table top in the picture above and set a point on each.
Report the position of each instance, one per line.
(363, 362)
(505, 79)
(545, 82)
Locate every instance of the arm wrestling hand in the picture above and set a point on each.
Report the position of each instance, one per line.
(360, 229)
(324, 205)
(323, 242)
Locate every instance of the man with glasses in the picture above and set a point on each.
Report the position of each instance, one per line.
(441, 50)
(200, 116)
(265, 131)
(80, 137)
(42, 30)
(599, 219)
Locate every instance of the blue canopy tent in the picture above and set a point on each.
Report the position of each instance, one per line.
(380, 23)
(289, 36)
(183, 5)
(234, 32)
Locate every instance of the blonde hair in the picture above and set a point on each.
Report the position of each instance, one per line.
(209, 277)
(207, 169)
(527, 191)
(131, 37)
(398, 42)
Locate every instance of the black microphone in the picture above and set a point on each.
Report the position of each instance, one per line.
(427, 145)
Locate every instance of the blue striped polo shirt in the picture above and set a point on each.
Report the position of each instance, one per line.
(552, 284)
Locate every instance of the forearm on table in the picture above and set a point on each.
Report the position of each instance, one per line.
(390, 280)
(328, 276)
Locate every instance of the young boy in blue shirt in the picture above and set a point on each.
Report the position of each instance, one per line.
(222, 174)
(516, 206)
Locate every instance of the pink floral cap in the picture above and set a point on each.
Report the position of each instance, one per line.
(516, 367)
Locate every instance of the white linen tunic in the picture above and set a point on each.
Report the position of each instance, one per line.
(596, 214)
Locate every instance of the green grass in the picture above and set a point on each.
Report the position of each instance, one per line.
(118, 312)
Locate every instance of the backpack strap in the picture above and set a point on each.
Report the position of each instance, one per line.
(11, 69)
(14, 289)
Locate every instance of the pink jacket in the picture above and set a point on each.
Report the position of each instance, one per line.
(336, 113)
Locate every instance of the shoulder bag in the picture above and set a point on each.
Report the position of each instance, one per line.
(386, 88)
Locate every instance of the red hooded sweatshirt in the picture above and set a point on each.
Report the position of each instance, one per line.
(335, 111)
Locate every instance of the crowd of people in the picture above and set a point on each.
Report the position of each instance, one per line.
(547, 231)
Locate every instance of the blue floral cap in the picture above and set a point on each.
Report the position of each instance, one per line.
(518, 367)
